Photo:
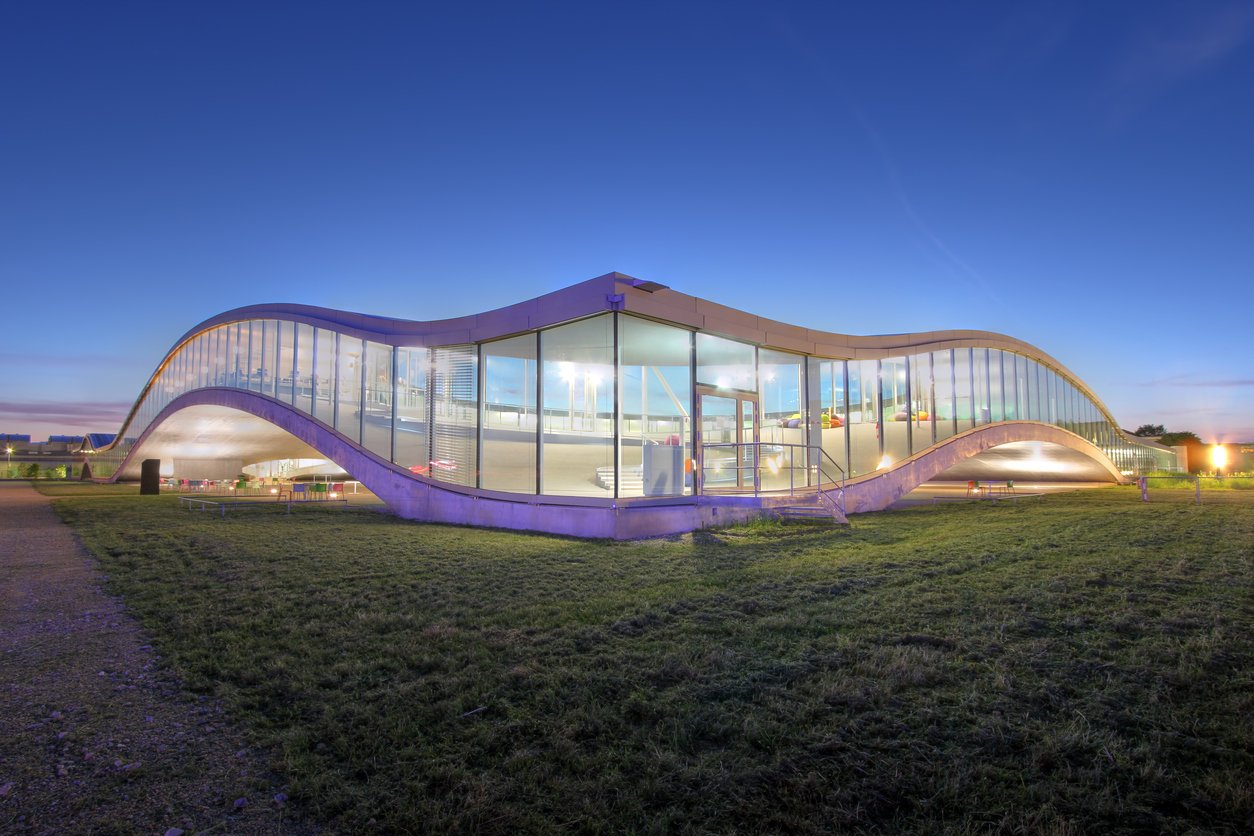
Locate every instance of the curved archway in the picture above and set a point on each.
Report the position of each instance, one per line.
(878, 491)
(406, 494)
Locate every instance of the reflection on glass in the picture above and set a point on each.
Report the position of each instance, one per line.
(412, 436)
(348, 387)
(943, 381)
(979, 372)
(377, 409)
(324, 376)
(835, 411)
(655, 397)
(285, 372)
(577, 453)
(304, 367)
(963, 398)
(895, 397)
(455, 414)
(921, 395)
(725, 364)
(864, 425)
(508, 417)
(997, 383)
(721, 437)
(781, 377)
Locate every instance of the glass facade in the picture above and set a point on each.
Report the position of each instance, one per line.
(613, 405)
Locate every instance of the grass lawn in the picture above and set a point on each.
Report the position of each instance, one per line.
(1075, 663)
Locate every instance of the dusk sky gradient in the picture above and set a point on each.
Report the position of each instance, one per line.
(1077, 175)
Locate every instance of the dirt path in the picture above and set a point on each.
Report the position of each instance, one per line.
(95, 734)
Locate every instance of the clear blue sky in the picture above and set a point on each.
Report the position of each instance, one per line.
(1078, 175)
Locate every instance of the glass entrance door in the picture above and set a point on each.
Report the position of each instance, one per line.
(727, 427)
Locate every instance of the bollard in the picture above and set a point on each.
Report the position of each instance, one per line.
(1199, 489)
(150, 477)
(1143, 484)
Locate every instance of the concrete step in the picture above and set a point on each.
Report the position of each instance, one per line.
(631, 479)
(815, 513)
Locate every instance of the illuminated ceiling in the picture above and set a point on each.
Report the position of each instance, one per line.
(1035, 461)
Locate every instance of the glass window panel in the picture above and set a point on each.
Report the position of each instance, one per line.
(507, 424)
(377, 429)
(577, 364)
(864, 444)
(655, 421)
(726, 364)
(216, 349)
(835, 411)
(211, 358)
(1041, 393)
(348, 386)
(190, 366)
(324, 376)
(781, 377)
(270, 367)
(454, 396)
(412, 439)
(1064, 403)
(996, 401)
(943, 381)
(921, 402)
(304, 367)
(1027, 388)
(983, 411)
(285, 371)
(239, 356)
(1055, 416)
(894, 395)
(225, 377)
(243, 357)
(1077, 410)
(1010, 391)
(255, 342)
(200, 363)
(963, 398)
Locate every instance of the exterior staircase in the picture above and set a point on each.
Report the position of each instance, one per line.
(818, 507)
(630, 479)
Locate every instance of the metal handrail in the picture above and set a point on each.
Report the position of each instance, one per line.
(837, 503)
(840, 484)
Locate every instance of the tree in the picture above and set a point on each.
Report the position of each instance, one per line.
(1178, 439)
(1150, 430)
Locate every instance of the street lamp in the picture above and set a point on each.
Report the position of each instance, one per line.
(8, 454)
(1219, 458)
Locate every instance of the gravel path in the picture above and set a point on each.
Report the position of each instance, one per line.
(96, 735)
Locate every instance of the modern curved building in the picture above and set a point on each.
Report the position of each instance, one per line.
(615, 408)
